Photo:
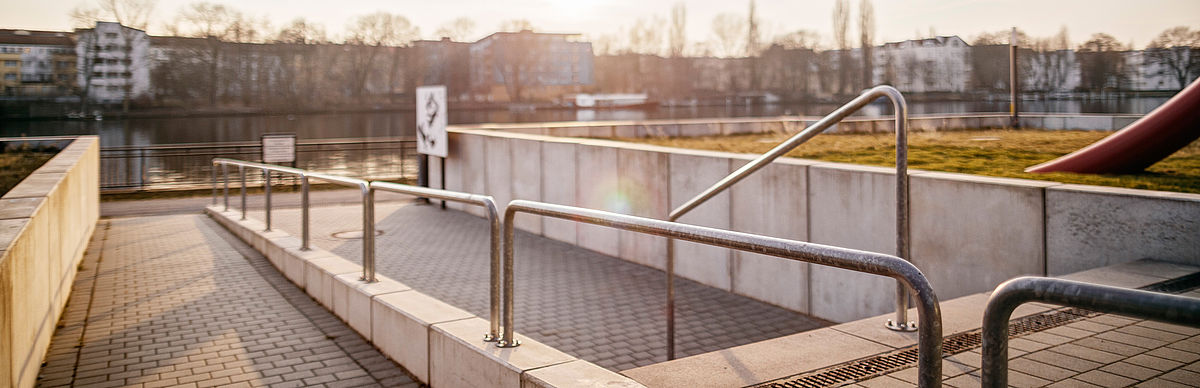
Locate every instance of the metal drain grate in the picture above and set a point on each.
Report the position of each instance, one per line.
(873, 366)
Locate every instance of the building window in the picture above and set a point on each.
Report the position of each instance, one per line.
(64, 77)
(10, 63)
(110, 35)
(10, 77)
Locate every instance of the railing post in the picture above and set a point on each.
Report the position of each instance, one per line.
(368, 234)
(225, 172)
(670, 270)
(142, 168)
(242, 172)
(903, 249)
(304, 212)
(267, 193)
(213, 166)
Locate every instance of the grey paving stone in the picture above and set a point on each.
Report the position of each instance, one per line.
(599, 308)
(174, 300)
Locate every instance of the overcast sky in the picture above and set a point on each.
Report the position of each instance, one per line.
(1136, 21)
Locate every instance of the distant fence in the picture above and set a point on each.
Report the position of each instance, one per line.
(178, 166)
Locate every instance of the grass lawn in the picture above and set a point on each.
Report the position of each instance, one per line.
(15, 166)
(1002, 153)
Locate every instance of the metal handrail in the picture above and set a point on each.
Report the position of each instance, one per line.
(368, 202)
(929, 338)
(493, 216)
(901, 322)
(1116, 300)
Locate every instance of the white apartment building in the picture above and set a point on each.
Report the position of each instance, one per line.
(112, 57)
(939, 64)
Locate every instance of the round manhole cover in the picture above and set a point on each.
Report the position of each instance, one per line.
(354, 234)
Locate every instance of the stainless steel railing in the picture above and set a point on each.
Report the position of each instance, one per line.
(493, 216)
(929, 341)
(901, 322)
(368, 202)
(1122, 301)
(368, 192)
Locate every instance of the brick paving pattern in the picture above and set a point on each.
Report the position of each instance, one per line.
(178, 301)
(595, 307)
(1103, 351)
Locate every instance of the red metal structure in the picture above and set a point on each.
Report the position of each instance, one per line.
(1152, 138)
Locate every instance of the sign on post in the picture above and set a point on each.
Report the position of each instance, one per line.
(431, 120)
(279, 148)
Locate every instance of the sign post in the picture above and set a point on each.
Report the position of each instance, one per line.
(279, 148)
(431, 127)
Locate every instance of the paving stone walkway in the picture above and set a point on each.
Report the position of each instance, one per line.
(178, 301)
(595, 307)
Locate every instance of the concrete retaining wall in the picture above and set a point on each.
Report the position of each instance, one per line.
(441, 345)
(969, 233)
(46, 222)
(789, 124)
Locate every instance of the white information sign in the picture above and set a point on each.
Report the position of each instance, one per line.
(431, 120)
(280, 148)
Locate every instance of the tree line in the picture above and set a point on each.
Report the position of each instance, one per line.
(217, 55)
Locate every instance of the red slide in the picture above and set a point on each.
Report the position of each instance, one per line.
(1148, 140)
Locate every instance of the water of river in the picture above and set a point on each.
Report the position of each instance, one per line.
(389, 124)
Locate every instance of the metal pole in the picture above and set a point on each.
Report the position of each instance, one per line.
(267, 193)
(443, 179)
(1008, 296)
(142, 168)
(1014, 82)
(901, 322)
(242, 172)
(225, 172)
(214, 184)
(670, 272)
(368, 234)
(304, 212)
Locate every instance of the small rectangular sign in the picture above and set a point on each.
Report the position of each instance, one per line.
(279, 148)
(431, 120)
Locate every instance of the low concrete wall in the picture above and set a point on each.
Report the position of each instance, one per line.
(441, 345)
(789, 124)
(969, 233)
(46, 222)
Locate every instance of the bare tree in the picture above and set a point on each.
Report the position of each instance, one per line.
(457, 30)
(841, 25)
(728, 29)
(370, 36)
(516, 25)
(801, 39)
(866, 33)
(678, 33)
(1177, 51)
(212, 23)
(1102, 66)
(301, 31)
(297, 44)
(752, 48)
(677, 43)
(646, 37)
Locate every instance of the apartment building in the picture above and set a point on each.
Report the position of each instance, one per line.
(36, 63)
(113, 61)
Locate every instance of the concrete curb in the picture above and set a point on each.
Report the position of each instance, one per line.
(440, 344)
